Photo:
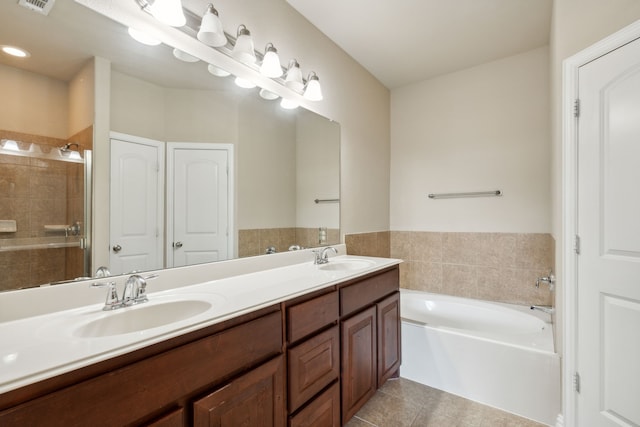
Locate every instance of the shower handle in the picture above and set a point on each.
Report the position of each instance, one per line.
(117, 248)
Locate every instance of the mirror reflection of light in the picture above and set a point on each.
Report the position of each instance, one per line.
(288, 104)
(244, 83)
(10, 144)
(430, 305)
(9, 358)
(142, 37)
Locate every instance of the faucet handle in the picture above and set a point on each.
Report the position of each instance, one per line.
(111, 302)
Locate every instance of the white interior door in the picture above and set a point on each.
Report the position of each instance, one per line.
(199, 203)
(136, 204)
(608, 271)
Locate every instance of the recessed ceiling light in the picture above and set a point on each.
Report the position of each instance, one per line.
(15, 51)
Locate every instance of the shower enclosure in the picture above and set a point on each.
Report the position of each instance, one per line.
(44, 211)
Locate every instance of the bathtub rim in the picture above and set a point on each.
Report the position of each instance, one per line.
(468, 333)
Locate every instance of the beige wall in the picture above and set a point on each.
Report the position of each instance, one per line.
(33, 104)
(484, 128)
(81, 99)
(352, 97)
(317, 171)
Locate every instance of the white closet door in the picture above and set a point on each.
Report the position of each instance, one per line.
(199, 203)
(608, 341)
(137, 205)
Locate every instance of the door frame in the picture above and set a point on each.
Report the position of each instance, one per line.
(569, 262)
(231, 195)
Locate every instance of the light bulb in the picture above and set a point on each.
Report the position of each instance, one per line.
(293, 79)
(271, 62)
(169, 12)
(211, 32)
(313, 91)
(244, 83)
(243, 50)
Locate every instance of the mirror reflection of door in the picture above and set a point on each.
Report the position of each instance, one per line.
(199, 203)
(137, 204)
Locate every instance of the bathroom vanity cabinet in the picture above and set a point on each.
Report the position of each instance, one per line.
(310, 361)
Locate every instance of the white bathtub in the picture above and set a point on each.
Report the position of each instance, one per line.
(497, 354)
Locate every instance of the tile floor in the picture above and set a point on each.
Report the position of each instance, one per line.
(404, 403)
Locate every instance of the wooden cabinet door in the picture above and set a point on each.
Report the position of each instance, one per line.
(388, 311)
(323, 411)
(359, 361)
(313, 365)
(255, 399)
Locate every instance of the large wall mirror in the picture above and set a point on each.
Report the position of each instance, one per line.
(284, 164)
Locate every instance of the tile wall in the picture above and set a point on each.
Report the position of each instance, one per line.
(499, 267)
(253, 242)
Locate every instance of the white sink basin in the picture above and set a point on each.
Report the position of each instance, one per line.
(346, 264)
(141, 317)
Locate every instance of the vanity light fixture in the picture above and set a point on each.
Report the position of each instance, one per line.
(268, 95)
(244, 83)
(217, 71)
(15, 51)
(293, 79)
(271, 62)
(10, 144)
(169, 12)
(288, 104)
(142, 37)
(313, 91)
(184, 56)
(243, 50)
(211, 32)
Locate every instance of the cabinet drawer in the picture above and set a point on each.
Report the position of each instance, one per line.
(140, 389)
(255, 399)
(310, 316)
(324, 411)
(313, 365)
(359, 295)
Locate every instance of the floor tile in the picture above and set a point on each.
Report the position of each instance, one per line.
(401, 402)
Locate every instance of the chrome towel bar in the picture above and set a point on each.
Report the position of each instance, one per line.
(494, 193)
(327, 201)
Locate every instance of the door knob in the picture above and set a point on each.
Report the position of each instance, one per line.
(177, 245)
(117, 248)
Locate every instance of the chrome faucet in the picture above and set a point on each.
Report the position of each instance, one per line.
(322, 256)
(135, 292)
(549, 280)
(544, 308)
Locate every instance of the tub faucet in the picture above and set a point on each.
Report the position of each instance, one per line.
(544, 308)
(322, 256)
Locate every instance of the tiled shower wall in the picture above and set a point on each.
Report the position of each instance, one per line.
(499, 267)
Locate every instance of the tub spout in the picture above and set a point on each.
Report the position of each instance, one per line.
(544, 308)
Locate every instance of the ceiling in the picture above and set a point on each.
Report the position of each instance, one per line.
(406, 41)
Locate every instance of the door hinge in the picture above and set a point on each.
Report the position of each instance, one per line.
(576, 382)
(576, 108)
(576, 245)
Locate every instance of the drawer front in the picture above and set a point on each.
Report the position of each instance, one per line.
(141, 388)
(323, 411)
(310, 316)
(255, 399)
(313, 365)
(359, 295)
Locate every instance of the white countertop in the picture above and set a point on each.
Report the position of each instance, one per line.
(45, 345)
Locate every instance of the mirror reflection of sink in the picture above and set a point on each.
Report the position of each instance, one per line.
(346, 264)
(140, 318)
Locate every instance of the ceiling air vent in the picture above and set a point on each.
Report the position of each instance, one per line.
(40, 6)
